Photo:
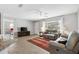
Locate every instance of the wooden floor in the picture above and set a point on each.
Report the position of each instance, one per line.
(22, 46)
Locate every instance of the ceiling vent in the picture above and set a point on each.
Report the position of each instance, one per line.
(20, 5)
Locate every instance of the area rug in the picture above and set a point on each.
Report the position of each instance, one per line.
(40, 42)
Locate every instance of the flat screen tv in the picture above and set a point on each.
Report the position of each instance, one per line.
(23, 29)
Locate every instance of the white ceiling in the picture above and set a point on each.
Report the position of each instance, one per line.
(37, 11)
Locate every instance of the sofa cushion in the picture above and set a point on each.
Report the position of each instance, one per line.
(72, 40)
(56, 44)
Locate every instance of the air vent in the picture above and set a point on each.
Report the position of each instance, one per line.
(20, 5)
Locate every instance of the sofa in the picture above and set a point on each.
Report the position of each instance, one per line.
(70, 47)
(51, 34)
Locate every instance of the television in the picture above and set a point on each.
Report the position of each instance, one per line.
(23, 29)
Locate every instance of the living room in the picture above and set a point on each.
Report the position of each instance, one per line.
(35, 30)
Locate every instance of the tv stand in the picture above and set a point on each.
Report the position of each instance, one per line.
(20, 34)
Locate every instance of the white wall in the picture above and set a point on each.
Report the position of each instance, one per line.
(78, 19)
(71, 22)
(37, 27)
(25, 23)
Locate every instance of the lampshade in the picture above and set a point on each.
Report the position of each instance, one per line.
(11, 25)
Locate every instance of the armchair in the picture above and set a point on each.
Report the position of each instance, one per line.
(71, 46)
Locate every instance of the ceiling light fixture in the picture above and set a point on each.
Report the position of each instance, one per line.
(41, 13)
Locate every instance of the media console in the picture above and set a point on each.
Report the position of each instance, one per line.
(23, 32)
(20, 34)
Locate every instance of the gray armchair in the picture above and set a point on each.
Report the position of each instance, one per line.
(71, 47)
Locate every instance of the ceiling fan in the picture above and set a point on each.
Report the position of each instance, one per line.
(41, 13)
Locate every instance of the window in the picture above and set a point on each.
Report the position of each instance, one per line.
(53, 25)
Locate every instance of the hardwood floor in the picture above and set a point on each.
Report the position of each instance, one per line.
(22, 46)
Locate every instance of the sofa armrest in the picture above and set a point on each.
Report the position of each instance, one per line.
(57, 48)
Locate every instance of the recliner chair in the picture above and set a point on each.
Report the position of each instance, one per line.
(71, 47)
